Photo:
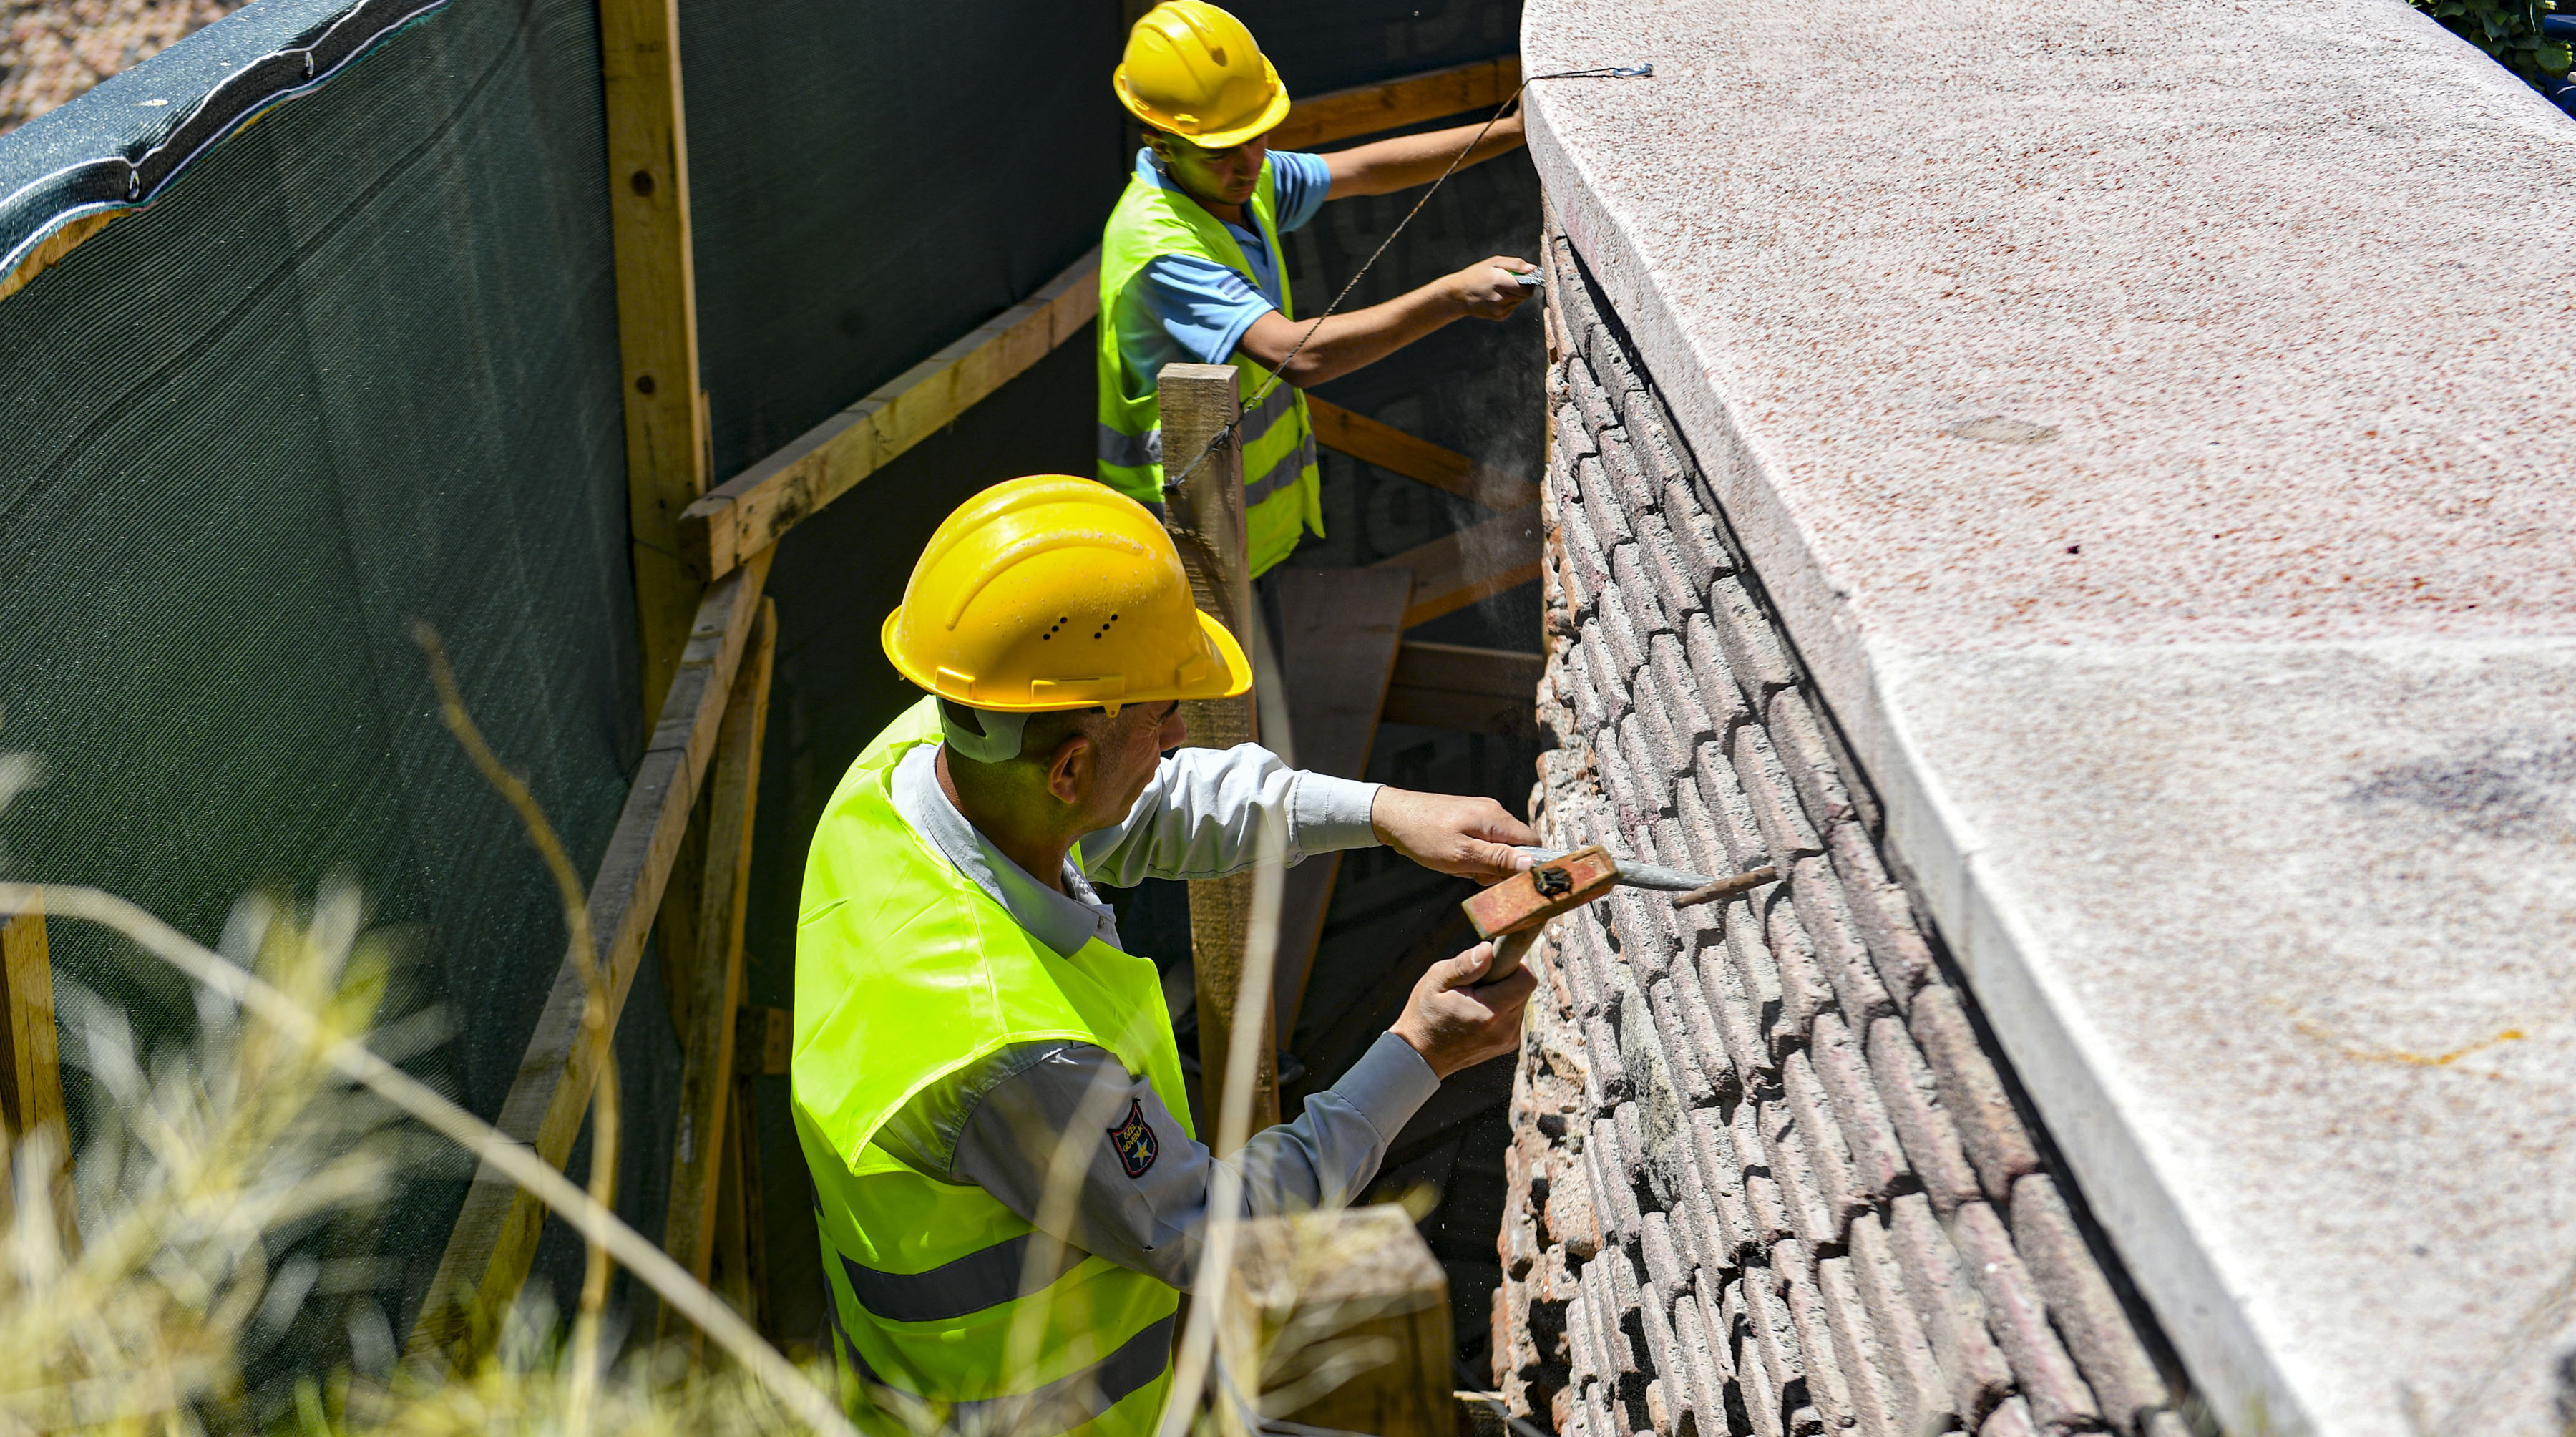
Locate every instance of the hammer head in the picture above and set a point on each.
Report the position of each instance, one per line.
(1534, 895)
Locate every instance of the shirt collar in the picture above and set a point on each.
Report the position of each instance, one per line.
(1063, 923)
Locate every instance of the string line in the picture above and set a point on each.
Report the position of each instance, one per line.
(1225, 436)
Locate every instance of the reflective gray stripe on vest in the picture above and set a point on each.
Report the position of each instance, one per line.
(1281, 403)
(984, 1278)
(1131, 451)
(1077, 1397)
(1290, 467)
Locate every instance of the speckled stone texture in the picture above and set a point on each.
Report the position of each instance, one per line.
(1765, 1177)
(2149, 421)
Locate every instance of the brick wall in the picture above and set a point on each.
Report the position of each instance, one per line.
(1765, 1177)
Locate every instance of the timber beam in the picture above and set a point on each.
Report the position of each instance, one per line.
(1476, 562)
(1465, 689)
(1348, 432)
(495, 1236)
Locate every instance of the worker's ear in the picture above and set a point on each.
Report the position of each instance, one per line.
(1070, 767)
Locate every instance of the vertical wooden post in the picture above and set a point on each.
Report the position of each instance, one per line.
(657, 316)
(1322, 1290)
(1206, 520)
(707, 1077)
(31, 1077)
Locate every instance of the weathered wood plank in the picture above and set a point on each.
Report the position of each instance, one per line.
(749, 512)
(1342, 628)
(1323, 1289)
(31, 1073)
(1466, 689)
(1367, 109)
(495, 1234)
(707, 1073)
(657, 313)
(1456, 570)
(1206, 520)
(1348, 432)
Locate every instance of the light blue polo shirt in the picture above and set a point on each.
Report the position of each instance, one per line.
(1190, 309)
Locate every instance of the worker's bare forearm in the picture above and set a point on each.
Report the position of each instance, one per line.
(1386, 166)
(1344, 342)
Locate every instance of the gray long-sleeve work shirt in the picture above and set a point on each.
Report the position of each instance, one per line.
(998, 1123)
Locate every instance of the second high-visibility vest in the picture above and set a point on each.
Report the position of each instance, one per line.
(1283, 495)
(907, 971)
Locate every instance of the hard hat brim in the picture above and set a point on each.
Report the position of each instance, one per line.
(1260, 124)
(1231, 675)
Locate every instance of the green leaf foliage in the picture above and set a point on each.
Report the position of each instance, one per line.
(2509, 30)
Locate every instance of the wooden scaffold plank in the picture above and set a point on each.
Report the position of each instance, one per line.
(495, 1236)
(707, 1086)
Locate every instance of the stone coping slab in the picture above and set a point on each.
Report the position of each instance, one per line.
(2152, 422)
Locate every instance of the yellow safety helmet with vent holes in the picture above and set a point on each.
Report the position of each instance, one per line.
(1053, 592)
(1194, 70)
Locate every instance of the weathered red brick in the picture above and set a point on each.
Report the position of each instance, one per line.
(1693, 1074)
(1920, 1388)
(1953, 1315)
(1753, 648)
(1678, 583)
(1706, 1038)
(1913, 1103)
(1573, 441)
(1730, 813)
(1800, 739)
(1650, 790)
(1696, 536)
(1700, 1371)
(1712, 1155)
(1573, 1220)
(1763, 1200)
(1736, 1015)
(2012, 1419)
(1637, 587)
(1719, 689)
(1829, 1159)
(1773, 1337)
(1869, 1376)
(1884, 913)
(1610, 1084)
(1625, 631)
(1756, 1375)
(2018, 1318)
(1827, 1387)
(2080, 1301)
(1766, 784)
(1644, 923)
(1614, 1186)
(1668, 741)
(1973, 1092)
(1793, 1167)
(1878, 1156)
(1676, 690)
(1838, 947)
(1601, 504)
(1804, 988)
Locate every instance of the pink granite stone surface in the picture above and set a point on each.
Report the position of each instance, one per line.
(2153, 422)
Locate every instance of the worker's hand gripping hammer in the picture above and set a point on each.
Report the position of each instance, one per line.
(1510, 914)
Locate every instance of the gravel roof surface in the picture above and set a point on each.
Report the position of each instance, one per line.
(53, 50)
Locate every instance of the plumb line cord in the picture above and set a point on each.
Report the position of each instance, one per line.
(1226, 435)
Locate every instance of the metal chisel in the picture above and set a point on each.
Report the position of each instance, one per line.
(1510, 913)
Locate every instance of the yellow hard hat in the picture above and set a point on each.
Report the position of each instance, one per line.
(1054, 592)
(1194, 70)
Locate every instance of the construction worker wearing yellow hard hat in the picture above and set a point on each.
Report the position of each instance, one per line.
(1190, 267)
(987, 1090)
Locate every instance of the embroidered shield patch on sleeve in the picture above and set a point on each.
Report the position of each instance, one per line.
(1134, 1140)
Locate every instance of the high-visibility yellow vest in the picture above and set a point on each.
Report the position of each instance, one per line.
(907, 971)
(1282, 492)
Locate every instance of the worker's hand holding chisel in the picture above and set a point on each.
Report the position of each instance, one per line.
(1455, 1019)
(1465, 837)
